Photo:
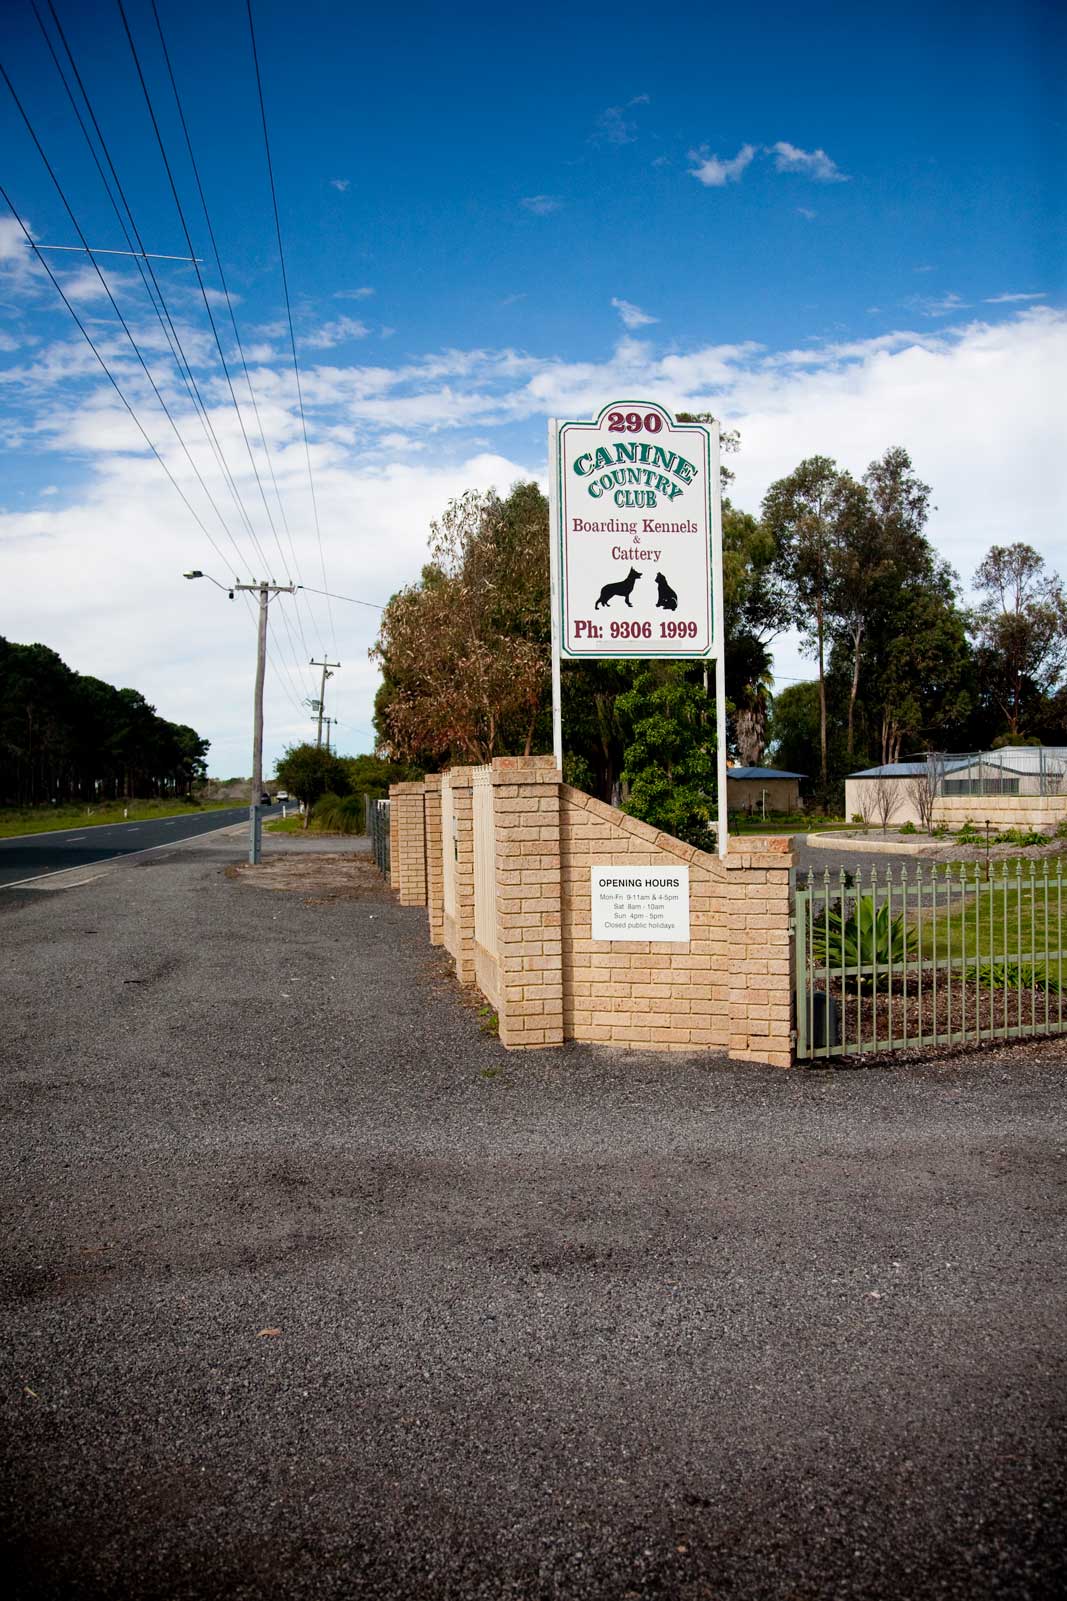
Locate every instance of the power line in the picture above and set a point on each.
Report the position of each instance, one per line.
(204, 295)
(170, 332)
(199, 278)
(233, 317)
(171, 335)
(373, 604)
(289, 315)
(111, 377)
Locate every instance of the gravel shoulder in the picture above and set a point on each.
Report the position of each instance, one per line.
(310, 1289)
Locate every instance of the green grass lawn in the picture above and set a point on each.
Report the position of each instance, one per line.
(796, 823)
(997, 917)
(49, 819)
(295, 825)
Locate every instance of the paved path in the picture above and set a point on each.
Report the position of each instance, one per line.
(34, 856)
(309, 1290)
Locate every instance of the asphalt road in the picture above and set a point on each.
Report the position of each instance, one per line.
(30, 856)
(309, 1290)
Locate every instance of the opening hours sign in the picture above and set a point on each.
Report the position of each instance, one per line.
(637, 534)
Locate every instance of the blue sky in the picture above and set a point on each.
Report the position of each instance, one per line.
(840, 229)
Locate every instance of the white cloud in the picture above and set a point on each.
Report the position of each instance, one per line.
(336, 332)
(809, 163)
(363, 293)
(542, 205)
(392, 442)
(340, 184)
(13, 246)
(805, 211)
(715, 173)
(938, 305)
(1006, 300)
(632, 315)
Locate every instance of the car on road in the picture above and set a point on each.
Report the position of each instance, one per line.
(264, 799)
(282, 795)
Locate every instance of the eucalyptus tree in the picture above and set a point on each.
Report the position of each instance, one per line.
(1020, 627)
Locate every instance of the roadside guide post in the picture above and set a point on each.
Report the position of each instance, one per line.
(635, 541)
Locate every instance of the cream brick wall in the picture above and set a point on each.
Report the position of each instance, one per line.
(526, 809)
(1003, 811)
(728, 988)
(408, 859)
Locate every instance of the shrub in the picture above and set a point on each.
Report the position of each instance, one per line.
(1020, 836)
(867, 937)
(908, 827)
(339, 814)
(1012, 976)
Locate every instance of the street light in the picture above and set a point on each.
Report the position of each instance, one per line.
(265, 591)
(196, 573)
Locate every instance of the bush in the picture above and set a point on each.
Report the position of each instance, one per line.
(1012, 976)
(907, 828)
(867, 937)
(1020, 836)
(339, 814)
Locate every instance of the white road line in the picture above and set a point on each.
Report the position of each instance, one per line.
(72, 839)
(59, 833)
(127, 856)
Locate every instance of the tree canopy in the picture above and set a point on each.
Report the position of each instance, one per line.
(67, 736)
(901, 664)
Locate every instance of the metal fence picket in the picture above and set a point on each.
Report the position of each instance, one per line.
(894, 959)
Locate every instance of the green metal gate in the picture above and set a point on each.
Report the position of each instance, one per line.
(378, 816)
(891, 959)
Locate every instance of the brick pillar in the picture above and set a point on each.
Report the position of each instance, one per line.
(463, 812)
(435, 883)
(526, 806)
(408, 805)
(761, 947)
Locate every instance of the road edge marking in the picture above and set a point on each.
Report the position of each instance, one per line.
(126, 856)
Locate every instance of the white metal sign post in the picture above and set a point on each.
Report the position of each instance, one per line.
(636, 548)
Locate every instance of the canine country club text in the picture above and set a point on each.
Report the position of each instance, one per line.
(631, 464)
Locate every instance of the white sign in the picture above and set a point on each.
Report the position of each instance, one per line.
(637, 536)
(640, 902)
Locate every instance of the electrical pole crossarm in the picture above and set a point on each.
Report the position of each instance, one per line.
(320, 704)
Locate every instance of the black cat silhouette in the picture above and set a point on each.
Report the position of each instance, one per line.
(625, 589)
(667, 597)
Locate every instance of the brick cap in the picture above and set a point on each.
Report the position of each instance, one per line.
(763, 844)
(409, 788)
(525, 770)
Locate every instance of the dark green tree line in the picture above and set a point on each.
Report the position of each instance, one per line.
(67, 736)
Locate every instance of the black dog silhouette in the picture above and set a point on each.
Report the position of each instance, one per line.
(668, 599)
(625, 589)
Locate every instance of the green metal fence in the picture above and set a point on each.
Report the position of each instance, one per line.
(890, 959)
(378, 827)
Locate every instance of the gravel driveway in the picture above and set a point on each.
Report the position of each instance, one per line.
(312, 1291)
